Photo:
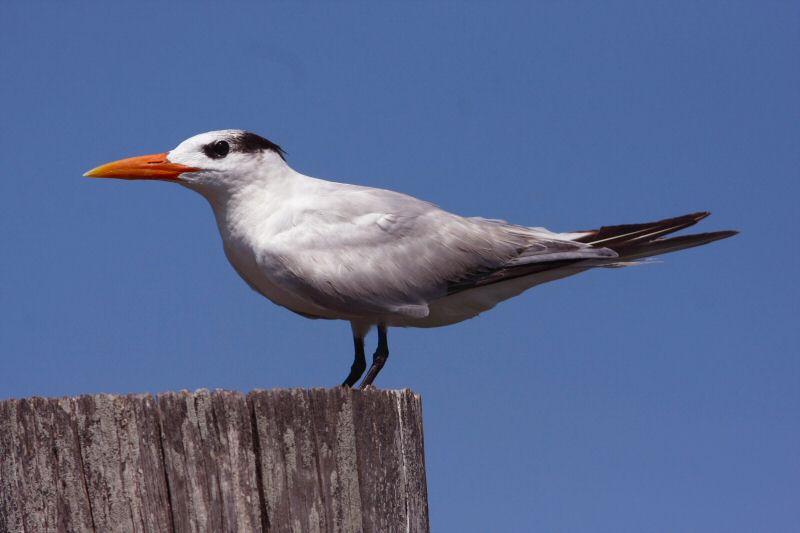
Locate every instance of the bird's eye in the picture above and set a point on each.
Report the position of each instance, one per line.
(221, 148)
(217, 149)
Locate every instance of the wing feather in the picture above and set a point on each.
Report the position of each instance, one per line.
(358, 250)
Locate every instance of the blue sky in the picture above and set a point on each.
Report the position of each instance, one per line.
(658, 398)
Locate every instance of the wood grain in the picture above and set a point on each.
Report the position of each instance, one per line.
(294, 460)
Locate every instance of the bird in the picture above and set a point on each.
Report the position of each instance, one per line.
(374, 257)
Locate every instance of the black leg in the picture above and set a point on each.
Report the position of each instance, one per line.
(359, 363)
(379, 358)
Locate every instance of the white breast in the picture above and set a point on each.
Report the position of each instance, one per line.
(248, 223)
(256, 272)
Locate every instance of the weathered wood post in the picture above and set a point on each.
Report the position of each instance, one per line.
(273, 460)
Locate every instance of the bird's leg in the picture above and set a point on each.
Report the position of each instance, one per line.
(379, 357)
(359, 363)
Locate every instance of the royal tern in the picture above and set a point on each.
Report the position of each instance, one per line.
(376, 257)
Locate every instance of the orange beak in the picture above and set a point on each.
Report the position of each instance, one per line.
(145, 167)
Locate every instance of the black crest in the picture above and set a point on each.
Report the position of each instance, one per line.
(245, 142)
(250, 142)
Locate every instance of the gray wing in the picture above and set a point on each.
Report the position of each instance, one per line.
(366, 251)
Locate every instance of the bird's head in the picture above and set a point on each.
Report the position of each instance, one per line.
(217, 160)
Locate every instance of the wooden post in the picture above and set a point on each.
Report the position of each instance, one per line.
(273, 460)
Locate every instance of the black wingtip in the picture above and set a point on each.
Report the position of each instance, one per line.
(626, 234)
(724, 234)
(695, 239)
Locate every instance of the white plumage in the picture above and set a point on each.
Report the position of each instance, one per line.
(371, 256)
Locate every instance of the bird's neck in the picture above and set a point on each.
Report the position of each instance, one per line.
(254, 209)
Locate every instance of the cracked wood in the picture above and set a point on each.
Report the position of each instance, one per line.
(274, 460)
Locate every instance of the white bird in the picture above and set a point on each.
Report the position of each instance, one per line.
(376, 257)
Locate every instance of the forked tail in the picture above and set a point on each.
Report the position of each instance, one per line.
(636, 241)
(629, 241)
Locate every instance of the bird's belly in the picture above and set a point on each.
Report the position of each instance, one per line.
(470, 303)
(246, 265)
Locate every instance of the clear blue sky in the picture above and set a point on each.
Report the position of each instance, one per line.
(661, 398)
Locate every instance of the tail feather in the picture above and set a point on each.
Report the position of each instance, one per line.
(663, 246)
(635, 241)
(629, 241)
(609, 236)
